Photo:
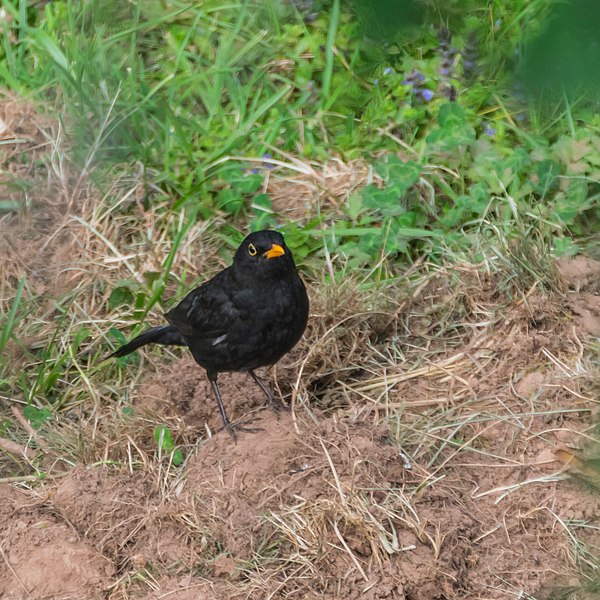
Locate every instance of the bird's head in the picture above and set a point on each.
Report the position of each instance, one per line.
(263, 253)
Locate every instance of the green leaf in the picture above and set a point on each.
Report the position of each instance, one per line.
(454, 130)
(301, 240)
(230, 200)
(565, 246)
(262, 207)
(141, 298)
(386, 201)
(121, 340)
(152, 277)
(371, 243)
(355, 206)
(248, 184)
(80, 336)
(574, 202)
(399, 177)
(177, 457)
(446, 139)
(117, 335)
(547, 171)
(165, 443)
(163, 438)
(119, 296)
(37, 416)
(398, 173)
(452, 116)
(262, 202)
(43, 40)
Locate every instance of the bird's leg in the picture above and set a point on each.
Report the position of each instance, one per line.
(274, 402)
(212, 377)
(231, 428)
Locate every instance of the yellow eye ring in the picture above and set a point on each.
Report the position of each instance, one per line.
(251, 250)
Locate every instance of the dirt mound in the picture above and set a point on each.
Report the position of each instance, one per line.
(43, 556)
(184, 390)
(280, 466)
(314, 507)
(582, 275)
(335, 495)
(336, 506)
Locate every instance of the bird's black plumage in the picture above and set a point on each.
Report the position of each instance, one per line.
(247, 316)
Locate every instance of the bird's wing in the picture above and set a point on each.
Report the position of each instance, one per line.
(207, 311)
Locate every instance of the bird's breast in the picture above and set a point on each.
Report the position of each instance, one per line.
(263, 323)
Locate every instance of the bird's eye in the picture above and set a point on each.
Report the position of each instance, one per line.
(252, 250)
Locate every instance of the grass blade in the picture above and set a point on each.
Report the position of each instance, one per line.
(11, 318)
(334, 21)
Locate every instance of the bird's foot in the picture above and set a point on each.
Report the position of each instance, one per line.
(233, 428)
(274, 401)
(277, 406)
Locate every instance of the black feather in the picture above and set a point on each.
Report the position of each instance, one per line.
(165, 335)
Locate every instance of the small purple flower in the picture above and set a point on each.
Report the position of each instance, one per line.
(427, 95)
(497, 24)
(445, 71)
(415, 79)
(375, 81)
(254, 171)
(470, 56)
(387, 70)
(267, 165)
(489, 130)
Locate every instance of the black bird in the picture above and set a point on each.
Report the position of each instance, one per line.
(247, 316)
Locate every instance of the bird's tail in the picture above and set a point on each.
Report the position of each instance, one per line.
(165, 335)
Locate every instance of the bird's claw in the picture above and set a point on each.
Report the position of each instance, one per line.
(233, 428)
(277, 406)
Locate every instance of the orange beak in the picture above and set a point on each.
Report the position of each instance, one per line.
(275, 251)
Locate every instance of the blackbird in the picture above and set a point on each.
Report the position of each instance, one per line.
(247, 316)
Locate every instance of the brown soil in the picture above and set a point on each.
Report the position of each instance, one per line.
(443, 479)
(583, 275)
(43, 555)
(314, 506)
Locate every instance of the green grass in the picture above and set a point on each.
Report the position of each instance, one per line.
(178, 88)
(8, 323)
